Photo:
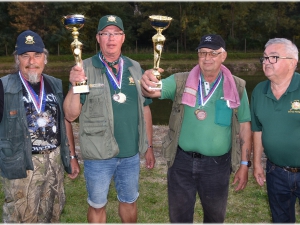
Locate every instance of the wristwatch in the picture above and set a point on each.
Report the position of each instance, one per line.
(246, 163)
(73, 156)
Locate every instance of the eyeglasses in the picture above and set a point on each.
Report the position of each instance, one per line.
(212, 54)
(115, 34)
(272, 59)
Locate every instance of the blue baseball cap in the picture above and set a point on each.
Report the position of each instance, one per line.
(212, 41)
(29, 41)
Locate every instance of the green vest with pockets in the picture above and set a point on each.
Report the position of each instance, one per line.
(170, 141)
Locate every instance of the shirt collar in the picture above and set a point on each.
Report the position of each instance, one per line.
(294, 85)
(98, 64)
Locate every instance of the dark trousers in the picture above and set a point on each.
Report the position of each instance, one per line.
(207, 176)
(283, 189)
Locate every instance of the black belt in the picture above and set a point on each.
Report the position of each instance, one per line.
(192, 154)
(43, 151)
(287, 168)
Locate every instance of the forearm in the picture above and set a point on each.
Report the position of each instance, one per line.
(72, 106)
(70, 136)
(148, 121)
(245, 141)
(258, 149)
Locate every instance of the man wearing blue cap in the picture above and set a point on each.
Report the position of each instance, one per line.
(115, 123)
(37, 143)
(204, 135)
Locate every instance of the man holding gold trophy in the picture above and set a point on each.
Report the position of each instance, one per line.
(115, 123)
(204, 133)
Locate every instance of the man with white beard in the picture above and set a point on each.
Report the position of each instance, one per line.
(36, 142)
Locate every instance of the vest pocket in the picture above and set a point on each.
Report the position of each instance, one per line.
(12, 160)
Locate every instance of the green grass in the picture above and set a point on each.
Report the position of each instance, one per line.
(247, 206)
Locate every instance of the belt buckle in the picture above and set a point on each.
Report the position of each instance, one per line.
(43, 152)
(293, 170)
(196, 155)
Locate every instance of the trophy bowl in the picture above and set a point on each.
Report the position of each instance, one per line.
(74, 23)
(159, 23)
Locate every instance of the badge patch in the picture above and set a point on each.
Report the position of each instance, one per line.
(29, 40)
(295, 107)
(131, 81)
(111, 19)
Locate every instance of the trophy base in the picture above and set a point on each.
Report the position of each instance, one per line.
(158, 86)
(81, 89)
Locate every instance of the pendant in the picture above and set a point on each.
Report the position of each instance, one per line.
(120, 97)
(200, 114)
(116, 97)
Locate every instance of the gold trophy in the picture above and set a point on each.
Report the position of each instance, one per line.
(159, 23)
(74, 23)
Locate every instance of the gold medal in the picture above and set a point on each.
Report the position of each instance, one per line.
(200, 114)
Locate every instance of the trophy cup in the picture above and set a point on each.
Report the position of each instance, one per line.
(159, 23)
(74, 23)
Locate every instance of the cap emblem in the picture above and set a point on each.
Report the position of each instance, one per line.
(29, 40)
(111, 19)
(208, 38)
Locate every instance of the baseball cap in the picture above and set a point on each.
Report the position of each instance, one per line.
(110, 20)
(29, 41)
(212, 41)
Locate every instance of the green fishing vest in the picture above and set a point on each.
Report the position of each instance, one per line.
(96, 133)
(170, 141)
(15, 141)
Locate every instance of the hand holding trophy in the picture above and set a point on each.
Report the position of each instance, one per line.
(159, 23)
(74, 23)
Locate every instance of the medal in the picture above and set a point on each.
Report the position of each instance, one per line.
(200, 114)
(116, 97)
(120, 97)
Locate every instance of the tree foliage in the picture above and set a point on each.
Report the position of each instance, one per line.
(243, 25)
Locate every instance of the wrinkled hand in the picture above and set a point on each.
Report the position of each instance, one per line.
(75, 169)
(241, 178)
(258, 173)
(77, 75)
(149, 80)
(150, 159)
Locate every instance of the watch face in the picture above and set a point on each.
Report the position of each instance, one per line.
(249, 163)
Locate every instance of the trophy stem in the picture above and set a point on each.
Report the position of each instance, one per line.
(76, 47)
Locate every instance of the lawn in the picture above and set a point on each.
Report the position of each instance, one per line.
(247, 206)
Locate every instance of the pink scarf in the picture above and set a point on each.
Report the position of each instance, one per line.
(229, 88)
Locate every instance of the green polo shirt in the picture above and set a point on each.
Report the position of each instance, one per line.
(125, 116)
(211, 136)
(279, 121)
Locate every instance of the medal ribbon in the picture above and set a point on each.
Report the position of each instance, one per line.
(38, 100)
(203, 100)
(116, 81)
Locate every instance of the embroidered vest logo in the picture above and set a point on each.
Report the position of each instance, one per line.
(131, 81)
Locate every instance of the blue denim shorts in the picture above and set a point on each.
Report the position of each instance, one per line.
(98, 175)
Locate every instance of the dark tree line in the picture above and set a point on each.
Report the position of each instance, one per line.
(243, 25)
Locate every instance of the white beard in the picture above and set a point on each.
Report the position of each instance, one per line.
(33, 77)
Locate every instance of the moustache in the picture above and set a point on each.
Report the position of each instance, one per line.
(32, 67)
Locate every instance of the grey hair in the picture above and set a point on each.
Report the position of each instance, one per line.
(290, 48)
(17, 62)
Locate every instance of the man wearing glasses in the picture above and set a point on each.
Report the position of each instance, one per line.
(115, 123)
(275, 113)
(197, 147)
